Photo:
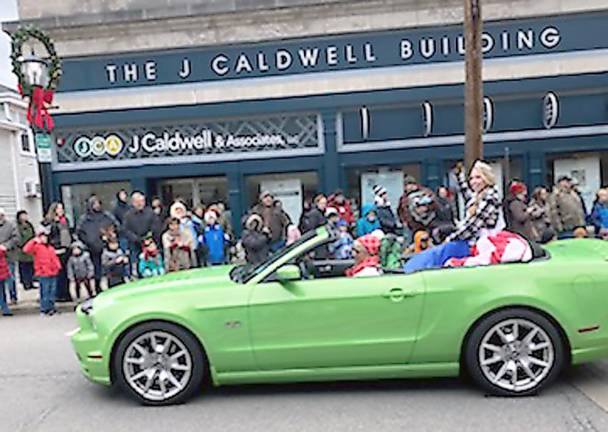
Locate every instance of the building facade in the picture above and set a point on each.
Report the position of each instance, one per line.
(217, 100)
(20, 185)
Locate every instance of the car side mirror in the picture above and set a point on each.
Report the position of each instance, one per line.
(289, 272)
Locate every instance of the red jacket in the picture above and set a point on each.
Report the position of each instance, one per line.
(5, 272)
(46, 262)
(344, 210)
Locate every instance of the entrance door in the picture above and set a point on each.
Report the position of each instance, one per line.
(335, 322)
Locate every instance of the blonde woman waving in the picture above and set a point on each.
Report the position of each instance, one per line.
(482, 214)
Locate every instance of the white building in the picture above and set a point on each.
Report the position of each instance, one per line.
(19, 179)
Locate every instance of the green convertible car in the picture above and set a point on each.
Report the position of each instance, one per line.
(511, 327)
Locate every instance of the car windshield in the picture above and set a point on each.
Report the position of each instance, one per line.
(243, 273)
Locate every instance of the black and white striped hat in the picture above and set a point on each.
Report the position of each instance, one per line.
(379, 190)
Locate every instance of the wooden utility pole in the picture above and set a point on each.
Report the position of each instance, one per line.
(473, 98)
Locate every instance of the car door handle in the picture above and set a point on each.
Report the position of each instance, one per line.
(397, 294)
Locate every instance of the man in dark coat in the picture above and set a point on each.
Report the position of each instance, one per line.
(139, 221)
(315, 217)
(89, 231)
(122, 206)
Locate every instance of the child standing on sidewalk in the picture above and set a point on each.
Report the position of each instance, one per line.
(46, 268)
(80, 270)
(5, 275)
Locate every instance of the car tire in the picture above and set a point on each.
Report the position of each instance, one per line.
(514, 352)
(159, 363)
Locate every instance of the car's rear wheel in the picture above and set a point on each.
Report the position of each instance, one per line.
(514, 352)
(159, 363)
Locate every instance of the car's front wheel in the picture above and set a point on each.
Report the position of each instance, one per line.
(159, 363)
(514, 352)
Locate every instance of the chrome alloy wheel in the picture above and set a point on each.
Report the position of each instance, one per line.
(516, 355)
(157, 365)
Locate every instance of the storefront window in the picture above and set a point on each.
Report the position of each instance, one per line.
(194, 191)
(361, 180)
(291, 189)
(75, 197)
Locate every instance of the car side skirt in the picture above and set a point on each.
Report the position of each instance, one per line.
(435, 370)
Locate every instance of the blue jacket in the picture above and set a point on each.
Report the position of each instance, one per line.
(151, 267)
(342, 248)
(364, 226)
(599, 215)
(215, 240)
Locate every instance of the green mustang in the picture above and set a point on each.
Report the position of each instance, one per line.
(511, 327)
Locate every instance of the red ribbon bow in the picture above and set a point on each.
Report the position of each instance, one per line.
(37, 113)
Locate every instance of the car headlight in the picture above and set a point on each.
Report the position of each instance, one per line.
(87, 307)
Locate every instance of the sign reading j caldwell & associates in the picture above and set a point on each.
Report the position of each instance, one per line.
(345, 52)
(215, 140)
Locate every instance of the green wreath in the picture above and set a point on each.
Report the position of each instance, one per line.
(17, 40)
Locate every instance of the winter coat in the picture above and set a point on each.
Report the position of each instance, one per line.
(364, 225)
(112, 268)
(5, 271)
(60, 235)
(257, 246)
(150, 266)
(80, 267)
(540, 215)
(9, 238)
(518, 219)
(312, 219)
(386, 218)
(445, 211)
(46, 261)
(89, 227)
(138, 223)
(26, 233)
(120, 211)
(215, 240)
(599, 216)
(344, 210)
(567, 211)
(177, 250)
(275, 219)
(482, 212)
(342, 248)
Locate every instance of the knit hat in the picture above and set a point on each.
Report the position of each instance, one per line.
(331, 211)
(254, 222)
(517, 188)
(370, 242)
(264, 194)
(342, 223)
(379, 190)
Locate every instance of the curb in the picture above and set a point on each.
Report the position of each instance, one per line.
(33, 307)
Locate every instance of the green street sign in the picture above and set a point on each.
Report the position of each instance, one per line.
(43, 147)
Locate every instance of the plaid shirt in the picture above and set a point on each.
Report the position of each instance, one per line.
(486, 215)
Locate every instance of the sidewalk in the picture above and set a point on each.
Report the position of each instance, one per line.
(28, 303)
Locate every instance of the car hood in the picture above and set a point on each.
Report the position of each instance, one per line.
(203, 278)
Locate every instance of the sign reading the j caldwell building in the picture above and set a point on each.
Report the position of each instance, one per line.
(217, 140)
(345, 52)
